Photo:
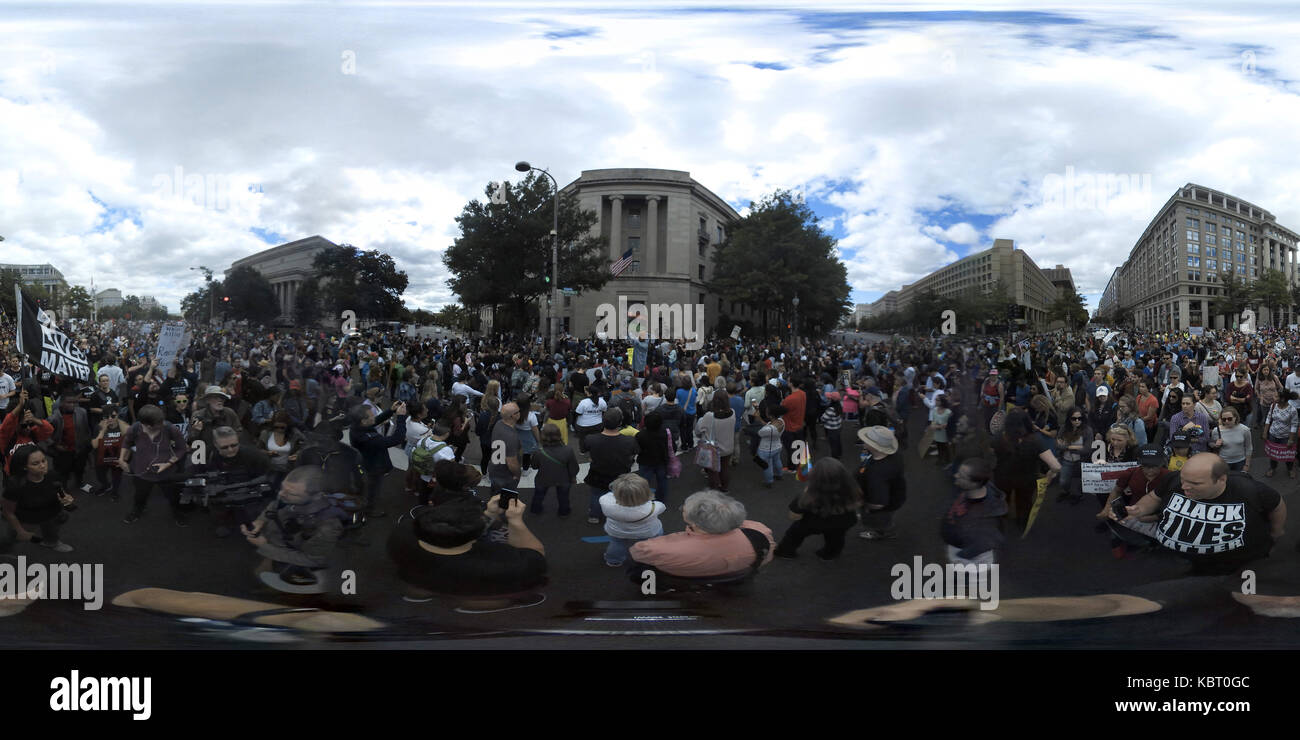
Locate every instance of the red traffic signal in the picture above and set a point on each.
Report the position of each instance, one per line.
(225, 298)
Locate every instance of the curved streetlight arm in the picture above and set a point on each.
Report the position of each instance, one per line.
(555, 248)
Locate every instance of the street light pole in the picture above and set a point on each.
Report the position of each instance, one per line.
(554, 305)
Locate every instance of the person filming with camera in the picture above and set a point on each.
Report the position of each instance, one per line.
(21, 428)
(34, 499)
(235, 468)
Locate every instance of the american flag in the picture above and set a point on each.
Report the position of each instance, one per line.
(617, 267)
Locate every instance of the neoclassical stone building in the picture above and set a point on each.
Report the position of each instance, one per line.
(286, 266)
(672, 224)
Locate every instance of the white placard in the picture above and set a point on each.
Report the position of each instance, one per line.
(1091, 475)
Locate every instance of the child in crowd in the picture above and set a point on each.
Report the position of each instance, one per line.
(631, 515)
(1180, 448)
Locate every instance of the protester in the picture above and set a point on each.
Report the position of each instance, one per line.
(828, 506)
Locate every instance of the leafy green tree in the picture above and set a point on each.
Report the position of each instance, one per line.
(251, 297)
(1235, 296)
(1272, 290)
(367, 282)
(779, 252)
(1070, 309)
(502, 255)
(307, 304)
(78, 303)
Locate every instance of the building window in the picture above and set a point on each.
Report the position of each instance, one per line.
(635, 267)
(1241, 257)
(1241, 270)
(1254, 272)
(1193, 248)
(701, 272)
(1193, 236)
(719, 233)
(1209, 252)
(1211, 228)
(568, 301)
(1193, 261)
(1211, 265)
(634, 218)
(1210, 239)
(704, 225)
(1193, 223)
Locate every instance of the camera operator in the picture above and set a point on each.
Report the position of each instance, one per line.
(298, 531)
(235, 466)
(22, 427)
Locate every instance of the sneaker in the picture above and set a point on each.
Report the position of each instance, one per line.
(871, 534)
(522, 602)
(131, 518)
(593, 520)
(58, 546)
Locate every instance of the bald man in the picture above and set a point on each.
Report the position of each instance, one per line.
(1218, 520)
(503, 462)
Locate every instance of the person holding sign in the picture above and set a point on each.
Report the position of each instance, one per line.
(1132, 485)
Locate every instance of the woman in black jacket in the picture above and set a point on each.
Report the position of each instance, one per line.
(652, 458)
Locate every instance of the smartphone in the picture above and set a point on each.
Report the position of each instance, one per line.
(503, 503)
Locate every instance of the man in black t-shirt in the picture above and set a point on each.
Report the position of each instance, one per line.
(442, 553)
(612, 454)
(1218, 520)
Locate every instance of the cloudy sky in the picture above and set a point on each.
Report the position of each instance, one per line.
(137, 141)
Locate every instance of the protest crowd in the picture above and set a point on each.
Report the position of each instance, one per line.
(297, 441)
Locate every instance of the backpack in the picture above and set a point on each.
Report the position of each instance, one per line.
(423, 458)
(631, 411)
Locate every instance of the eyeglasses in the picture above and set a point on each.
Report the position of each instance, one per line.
(1076, 418)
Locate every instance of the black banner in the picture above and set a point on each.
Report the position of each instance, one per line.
(44, 344)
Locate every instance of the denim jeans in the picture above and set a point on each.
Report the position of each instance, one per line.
(617, 551)
(561, 495)
(773, 460)
(657, 476)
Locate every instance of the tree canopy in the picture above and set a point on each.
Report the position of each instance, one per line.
(777, 253)
(502, 255)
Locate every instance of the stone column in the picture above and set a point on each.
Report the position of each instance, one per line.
(650, 255)
(616, 227)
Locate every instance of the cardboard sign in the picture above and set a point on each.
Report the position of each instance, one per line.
(1100, 477)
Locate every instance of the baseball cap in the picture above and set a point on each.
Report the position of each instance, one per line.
(1103, 390)
(1151, 455)
(1180, 440)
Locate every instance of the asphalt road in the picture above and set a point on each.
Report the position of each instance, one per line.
(785, 607)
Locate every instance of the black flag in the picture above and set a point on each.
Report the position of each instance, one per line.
(44, 344)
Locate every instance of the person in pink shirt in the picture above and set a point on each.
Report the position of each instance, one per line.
(850, 403)
(712, 545)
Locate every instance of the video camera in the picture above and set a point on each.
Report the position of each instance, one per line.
(217, 489)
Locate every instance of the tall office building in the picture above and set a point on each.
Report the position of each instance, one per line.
(44, 275)
(1199, 237)
(1025, 283)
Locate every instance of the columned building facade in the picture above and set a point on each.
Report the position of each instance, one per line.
(287, 267)
(1198, 239)
(672, 224)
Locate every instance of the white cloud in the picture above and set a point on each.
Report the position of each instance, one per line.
(917, 128)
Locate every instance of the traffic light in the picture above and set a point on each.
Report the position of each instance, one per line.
(225, 299)
(546, 272)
